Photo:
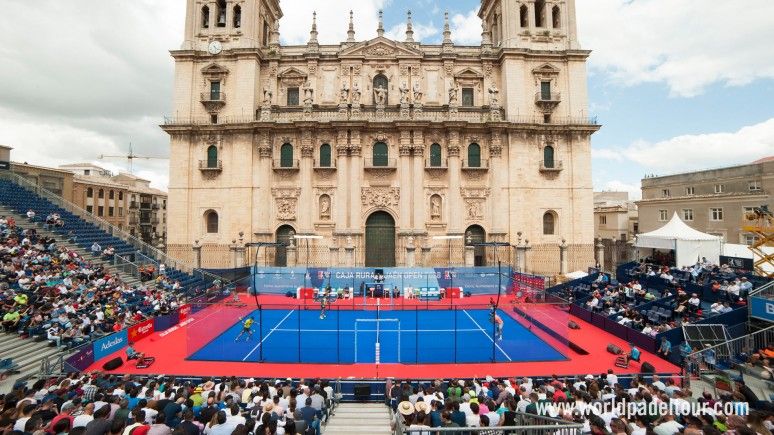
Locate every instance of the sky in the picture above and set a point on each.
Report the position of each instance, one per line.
(678, 85)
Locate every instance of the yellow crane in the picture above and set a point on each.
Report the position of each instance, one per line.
(131, 157)
(761, 223)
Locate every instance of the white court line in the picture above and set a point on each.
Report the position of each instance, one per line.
(487, 334)
(267, 335)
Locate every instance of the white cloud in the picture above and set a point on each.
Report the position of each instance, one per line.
(634, 189)
(332, 20)
(687, 44)
(698, 151)
(421, 32)
(466, 29)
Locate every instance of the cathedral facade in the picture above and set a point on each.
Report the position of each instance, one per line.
(381, 152)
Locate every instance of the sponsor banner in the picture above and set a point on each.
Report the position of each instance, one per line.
(524, 281)
(112, 343)
(184, 312)
(81, 360)
(141, 330)
(162, 323)
(737, 263)
(762, 308)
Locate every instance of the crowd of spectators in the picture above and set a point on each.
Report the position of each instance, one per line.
(53, 293)
(102, 404)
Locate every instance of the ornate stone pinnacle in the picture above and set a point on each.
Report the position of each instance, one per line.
(351, 31)
(313, 33)
(380, 29)
(446, 29)
(409, 29)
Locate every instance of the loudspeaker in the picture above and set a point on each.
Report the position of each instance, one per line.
(647, 367)
(573, 325)
(113, 363)
(362, 392)
(615, 350)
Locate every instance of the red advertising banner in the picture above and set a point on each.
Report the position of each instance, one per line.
(185, 311)
(140, 331)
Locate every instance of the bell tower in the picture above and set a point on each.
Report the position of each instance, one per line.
(534, 24)
(235, 23)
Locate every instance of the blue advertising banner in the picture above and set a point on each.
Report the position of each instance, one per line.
(81, 360)
(762, 308)
(112, 343)
(162, 323)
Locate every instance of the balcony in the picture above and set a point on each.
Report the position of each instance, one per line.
(330, 167)
(547, 101)
(285, 165)
(213, 101)
(155, 221)
(441, 165)
(210, 166)
(380, 164)
(554, 166)
(133, 205)
(145, 206)
(483, 165)
(155, 206)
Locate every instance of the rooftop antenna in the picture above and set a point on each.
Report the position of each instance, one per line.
(131, 157)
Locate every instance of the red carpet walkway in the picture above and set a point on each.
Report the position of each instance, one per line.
(173, 346)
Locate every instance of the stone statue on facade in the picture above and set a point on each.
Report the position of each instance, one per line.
(435, 208)
(344, 97)
(308, 94)
(494, 94)
(355, 94)
(380, 96)
(266, 96)
(404, 94)
(453, 95)
(325, 207)
(417, 93)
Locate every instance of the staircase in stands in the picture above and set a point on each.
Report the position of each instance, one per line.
(358, 419)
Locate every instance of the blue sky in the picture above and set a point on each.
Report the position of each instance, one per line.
(677, 84)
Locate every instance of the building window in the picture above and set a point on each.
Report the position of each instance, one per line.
(237, 16)
(716, 214)
(120, 196)
(603, 220)
(687, 214)
(221, 13)
(89, 192)
(549, 223)
(689, 191)
(540, 7)
(719, 188)
(265, 36)
(292, 96)
(435, 155)
(381, 81)
(90, 209)
(325, 156)
(380, 154)
(111, 194)
(205, 17)
(211, 220)
(212, 156)
(111, 211)
(101, 194)
(100, 211)
(87, 172)
(748, 211)
(662, 215)
(545, 91)
(474, 155)
(467, 97)
(548, 157)
(286, 156)
(524, 16)
(665, 193)
(556, 17)
(215, 91)
(754, 186)
(120, 212)
(750, 239)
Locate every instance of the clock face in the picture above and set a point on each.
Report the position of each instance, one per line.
(215, 47)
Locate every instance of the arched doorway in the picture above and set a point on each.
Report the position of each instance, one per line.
(473, 235)
(380, 240)
(284, 234)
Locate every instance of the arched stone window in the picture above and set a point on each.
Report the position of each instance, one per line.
(524, 16)
(101, 193)
(212, 156)
(380, 154)
(211, 221)
(548, 157)
(474, 155)
(89, 192)
(381, 81)
(325, 156)
(237, 16)
(435, 156)
(549, 222)
(205, 17)
(286, 156)
(556, 17)
(221, 13)
(540, 9)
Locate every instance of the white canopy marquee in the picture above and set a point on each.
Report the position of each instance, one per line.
(689, 244)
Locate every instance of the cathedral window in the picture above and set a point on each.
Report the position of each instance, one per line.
(380, 154)
(549, 223)
(540, 9)
(101, 194)
(545, 91)
(237, 16)
(292, 96)
(286, 156)
(211, 221)
(556, 18)
(265, 36)
(206, 17)
(467, 97)
(215, 91)
(89, 193)
(474, 156)
(381, 81)
(325, 156)
(524, 16)
(435, 155)
(221, 13)
(212, 157)
(548, 157)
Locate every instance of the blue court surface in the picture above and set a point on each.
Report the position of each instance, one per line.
(347, 337)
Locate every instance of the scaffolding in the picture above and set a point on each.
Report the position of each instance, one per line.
(761, 223)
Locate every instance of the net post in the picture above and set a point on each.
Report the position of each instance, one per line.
(299, 335)
(260, 332)
(454, 313)
(338, 336)
(416, 335)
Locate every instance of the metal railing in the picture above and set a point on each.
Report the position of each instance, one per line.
(525, 424)
(765, 291)
(729, 354)
(437, 164)
(105, 226)
(331, 164)
(547, 96)
(482, 165)
(555, 165)
(388, 163)
(285, 164)
(213, 96)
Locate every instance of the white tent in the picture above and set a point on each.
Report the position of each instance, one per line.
(689, 245)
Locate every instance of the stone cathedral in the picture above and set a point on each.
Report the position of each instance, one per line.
(381, 152)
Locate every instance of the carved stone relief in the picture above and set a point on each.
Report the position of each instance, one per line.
(380, 196)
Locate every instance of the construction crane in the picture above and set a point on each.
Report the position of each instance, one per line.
(760, 221)
(131, 157)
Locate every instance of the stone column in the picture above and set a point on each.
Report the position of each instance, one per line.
(404, 176)
(419, 213)
(410, 251)
(613, 254)
(455, 196)
(600, 248)
(521, 254)
(307, 201)
(334, 254)
(563, 257)
(470, 253)
(197, 248)
(261, 215)
(631, 251)
(291, 253)
(340, 204)
(350, 255)
(498, 174)
(354, 182)
(426, 254)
